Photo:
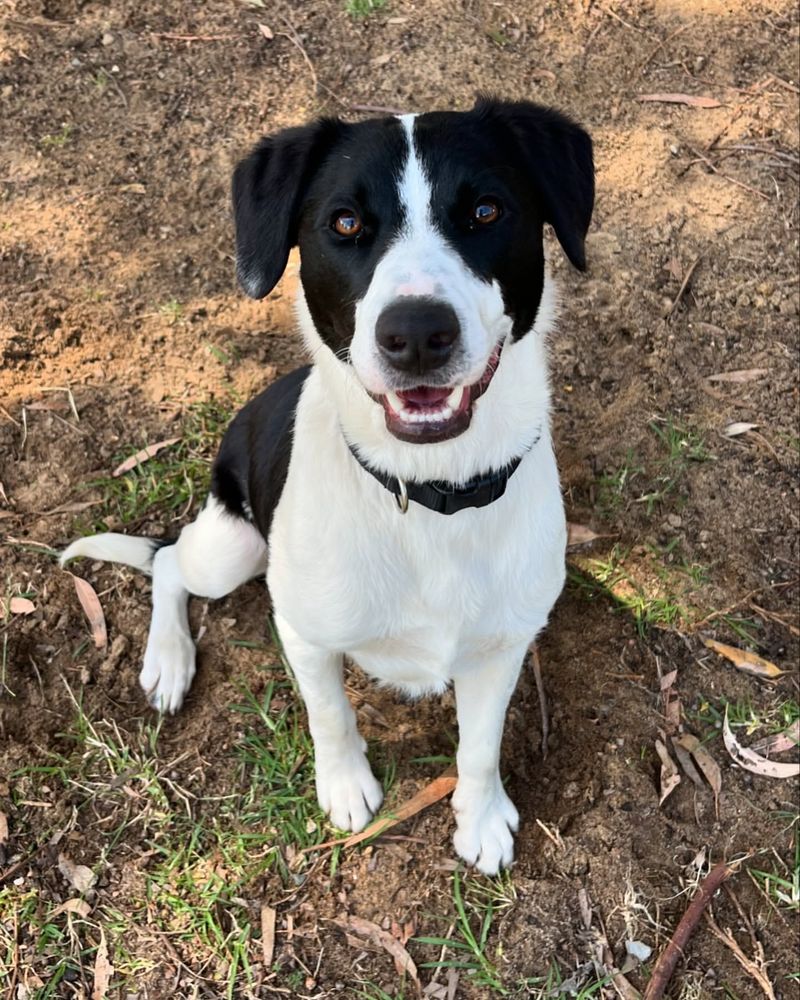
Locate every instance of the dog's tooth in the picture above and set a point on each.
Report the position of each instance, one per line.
(456, 396)
(395, 402)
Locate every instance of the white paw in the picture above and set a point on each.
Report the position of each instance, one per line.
(347, 790)
(168, 669)
(485, 822)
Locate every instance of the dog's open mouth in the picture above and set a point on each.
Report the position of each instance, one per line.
(429, 413)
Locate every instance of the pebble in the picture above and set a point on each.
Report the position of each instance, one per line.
(107, 39)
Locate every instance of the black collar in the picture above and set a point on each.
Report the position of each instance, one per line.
(443, 497)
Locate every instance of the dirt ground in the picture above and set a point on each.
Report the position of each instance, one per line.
(120, 124)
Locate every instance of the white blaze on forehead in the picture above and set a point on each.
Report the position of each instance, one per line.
(414, 189)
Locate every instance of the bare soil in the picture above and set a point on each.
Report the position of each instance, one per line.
(120, 124)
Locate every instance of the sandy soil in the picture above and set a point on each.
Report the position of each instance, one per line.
(120, 125)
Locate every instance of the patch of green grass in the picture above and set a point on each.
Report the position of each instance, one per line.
(746, 629)
(206, 855)
(680, 446)
(58, 139)
(655, 595)
(171, 311)
(614, 485)
(683, 446)
(766, 720)
(363, 8)
(170, 480)
(476, 901)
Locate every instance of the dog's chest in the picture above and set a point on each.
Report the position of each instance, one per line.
(413, 598)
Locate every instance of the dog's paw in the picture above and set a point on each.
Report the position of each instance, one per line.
(485, 823)
(347, 790)
(168, 669)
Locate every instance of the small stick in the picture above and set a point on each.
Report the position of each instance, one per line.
(685, 284)
(727, 177)
(376, 109)
(537, 673)
(660, 46)
(676, 947)
(749, 966)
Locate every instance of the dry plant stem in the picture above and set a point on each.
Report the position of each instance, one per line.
(749, 967)
(537, 673)
(682, 290)
(676, 948)
(727, 177)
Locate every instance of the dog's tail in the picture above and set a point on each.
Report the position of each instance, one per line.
(130, 550)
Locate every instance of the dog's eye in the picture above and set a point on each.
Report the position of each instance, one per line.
(347, 223)
(486, 211)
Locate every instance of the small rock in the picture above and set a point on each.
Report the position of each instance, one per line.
(107, 39)
(674, 520)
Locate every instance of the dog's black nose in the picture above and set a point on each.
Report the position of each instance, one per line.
(417, 335)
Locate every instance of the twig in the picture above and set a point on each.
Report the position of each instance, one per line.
(749, 966)
(727, 177)
(780, 585)
(684, 285)
(376, 109)
(660, 46)
(7, 414)
(171, 36)
(676, 947)
(774, 618)
(543, 710)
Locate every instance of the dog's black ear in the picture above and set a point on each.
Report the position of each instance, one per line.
(269, 186)
(558, 155)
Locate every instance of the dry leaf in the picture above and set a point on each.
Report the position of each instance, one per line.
(77, 906)
(579, 534)
(267, 935)
(143, 455)
(3, 829)
(705, 762)
(90, 603)
(737, 428)
(740, 375)
(787, 740)
(103, 969)
(743, 659)
(382, 60)
(133, 188)
(670, 779)
(752, 761)
(687, 764)
(266, 31)
(692, 100)
(21, 606)
(367, 929)
(79, 876)
(432, 793)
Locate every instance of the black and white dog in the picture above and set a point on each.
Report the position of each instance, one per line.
(400, 493)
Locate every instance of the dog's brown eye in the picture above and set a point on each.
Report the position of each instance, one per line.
(486, 211)
(347, 224)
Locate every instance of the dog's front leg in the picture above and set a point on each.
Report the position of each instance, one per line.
(485, 815)
(346, 788)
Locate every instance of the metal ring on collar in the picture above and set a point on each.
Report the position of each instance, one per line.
(402, 496)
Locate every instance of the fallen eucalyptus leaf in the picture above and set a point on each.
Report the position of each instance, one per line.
(143, 455)
(737, 428)
(743, 659)
(752, 761)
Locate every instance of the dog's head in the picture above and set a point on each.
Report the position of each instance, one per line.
(420, 243)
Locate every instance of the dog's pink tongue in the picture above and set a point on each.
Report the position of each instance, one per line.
(425, 395)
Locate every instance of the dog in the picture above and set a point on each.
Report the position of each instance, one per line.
(400, 492)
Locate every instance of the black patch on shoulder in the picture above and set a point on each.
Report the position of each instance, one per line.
(250, 470)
